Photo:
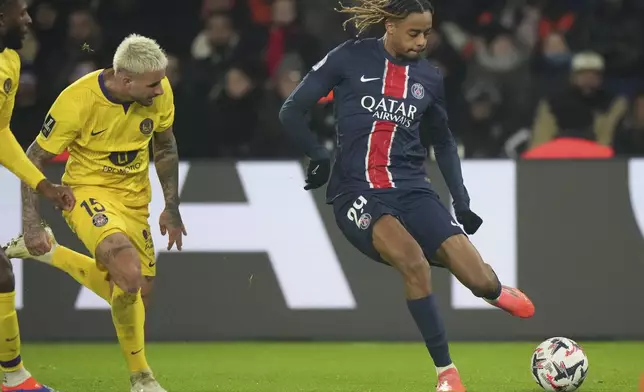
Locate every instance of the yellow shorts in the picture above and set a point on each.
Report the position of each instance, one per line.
(98, 214)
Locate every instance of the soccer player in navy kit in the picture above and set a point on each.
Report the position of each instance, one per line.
(389, 103)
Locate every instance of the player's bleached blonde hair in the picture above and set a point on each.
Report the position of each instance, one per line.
(138, 54)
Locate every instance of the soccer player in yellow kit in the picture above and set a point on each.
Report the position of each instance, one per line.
(14, 22)
(106, 120)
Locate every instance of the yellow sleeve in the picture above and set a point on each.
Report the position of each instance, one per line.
(12, 155)
(14, 158)
(6, 109)
(62, 124)
(167, 107)
(9, 79)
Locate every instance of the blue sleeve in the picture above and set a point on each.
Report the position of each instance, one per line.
(322, 78)
(436, 126)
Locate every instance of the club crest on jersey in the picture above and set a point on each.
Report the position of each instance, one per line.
(7, 85)
(418, 91)
(147, 126)
(99, 220)
(364, 221)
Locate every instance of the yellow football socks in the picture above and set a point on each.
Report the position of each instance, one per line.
(128, 315)
(83, 269)
(9, 333)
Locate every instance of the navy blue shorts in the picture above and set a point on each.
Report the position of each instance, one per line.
(420, 212)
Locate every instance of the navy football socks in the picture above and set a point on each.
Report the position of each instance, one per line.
(425, 313)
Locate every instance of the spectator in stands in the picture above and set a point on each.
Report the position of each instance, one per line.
(585, 87)
(186, 112)
(475, 43)
(286, 34)
(270, 139)
(29, 112)
(503, 60)
(614, 30)
(551, 65)
(575, 137)
(232, 113)
(629, 138)
(559, 17)
(214, 51)
(83, 43)
(451, 65)
(483, 135)
(245, 13)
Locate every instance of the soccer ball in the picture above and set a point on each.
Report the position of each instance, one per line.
(559, 364)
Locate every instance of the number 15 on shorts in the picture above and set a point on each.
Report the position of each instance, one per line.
(96, 212)
(363, 220)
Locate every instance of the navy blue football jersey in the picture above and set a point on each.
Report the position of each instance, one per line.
(380, 104)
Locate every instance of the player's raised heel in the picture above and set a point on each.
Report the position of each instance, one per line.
(450, 381)
(30, 385)
(16, 248)
(145, 382)
(515, 302)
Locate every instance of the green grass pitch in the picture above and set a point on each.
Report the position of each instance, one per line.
(323, 367)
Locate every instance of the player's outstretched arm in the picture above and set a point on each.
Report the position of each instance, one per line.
(14, 158)
(36, 238)
(436, 126)
(324, 76)
(166, 162)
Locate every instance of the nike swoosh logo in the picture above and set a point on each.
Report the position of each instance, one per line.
(136, 352)
(365, 80)
(314, 171)
(12, 339)
(152, 264)
(98, 133)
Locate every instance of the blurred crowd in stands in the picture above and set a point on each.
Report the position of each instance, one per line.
(524, 78)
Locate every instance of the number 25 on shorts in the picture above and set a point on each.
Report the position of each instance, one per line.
(364, 220)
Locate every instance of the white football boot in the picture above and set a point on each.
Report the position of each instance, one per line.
(145, 382)
(16, 248)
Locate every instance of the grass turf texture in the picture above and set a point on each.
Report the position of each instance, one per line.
(328, 367)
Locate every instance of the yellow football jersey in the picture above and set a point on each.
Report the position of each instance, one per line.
(9, 77)
(107, 141)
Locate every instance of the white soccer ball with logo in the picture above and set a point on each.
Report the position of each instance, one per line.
(559, 364)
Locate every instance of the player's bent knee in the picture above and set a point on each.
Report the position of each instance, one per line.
(415, 271)
(132, 278)
(117, 254)
(7, 279)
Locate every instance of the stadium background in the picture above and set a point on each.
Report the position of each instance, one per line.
(519, 74)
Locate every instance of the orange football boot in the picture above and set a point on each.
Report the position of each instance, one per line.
(514, 302)
(450, 381)
(29, 385)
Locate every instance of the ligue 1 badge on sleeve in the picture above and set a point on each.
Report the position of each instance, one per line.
(147, 126)
(7, 85)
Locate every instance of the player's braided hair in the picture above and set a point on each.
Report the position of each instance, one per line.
(370, 12)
